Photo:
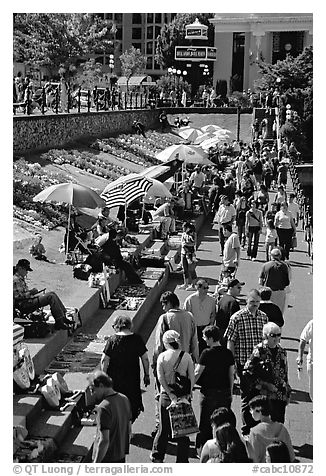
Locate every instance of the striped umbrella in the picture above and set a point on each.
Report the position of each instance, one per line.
(125, 190)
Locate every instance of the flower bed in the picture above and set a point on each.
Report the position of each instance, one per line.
(28, 181)
(87, 161)
(135, 148)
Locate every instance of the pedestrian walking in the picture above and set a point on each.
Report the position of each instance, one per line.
(228, 305)
(165, 374)
(285, 228)
(225, 216)
(188, 258)
(203, 308)
(215, 374)
(253, 227)
(231, 253)
(270, 238)
(113, 420)
(272, 311)
(306, 337)
(120, 360)
(266, 372)
(275, 275)
(243, 333)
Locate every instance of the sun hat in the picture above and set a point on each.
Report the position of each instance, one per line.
(171, 336)
(24, 263)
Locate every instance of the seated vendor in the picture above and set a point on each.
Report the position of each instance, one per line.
(111, 253)
(103, 225)
(28, 300)
(165, 215)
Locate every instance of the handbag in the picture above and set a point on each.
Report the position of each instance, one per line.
(181, 385)
(182, 419)
(294, 242)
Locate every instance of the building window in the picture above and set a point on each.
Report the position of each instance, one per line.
(136, 18)
(166, 18)
(149, 63)
(238, 61)
(286, 43)
(156, 65)
(118, 17)
(158, 17)
(108, 16)
(150, 32)
(118, 35)
(137, 46)
(150, 17)
(136, 33)
(157, 31)
(149, 48)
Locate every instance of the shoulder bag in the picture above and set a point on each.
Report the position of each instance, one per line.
(181, 385)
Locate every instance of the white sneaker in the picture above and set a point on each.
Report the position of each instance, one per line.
(253, 259)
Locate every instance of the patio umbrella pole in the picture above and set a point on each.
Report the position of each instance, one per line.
(143, 210)
(126, 215)
(67, 244)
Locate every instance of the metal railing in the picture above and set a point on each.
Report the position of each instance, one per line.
(82, 101)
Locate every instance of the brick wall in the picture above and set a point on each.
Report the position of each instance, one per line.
(31, 133)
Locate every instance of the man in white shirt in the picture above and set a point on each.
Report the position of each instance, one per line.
(306, 338)
(231, 253)
(225, 216)
(197, 179)
(203, 308)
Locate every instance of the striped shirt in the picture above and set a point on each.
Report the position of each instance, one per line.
(246, 331)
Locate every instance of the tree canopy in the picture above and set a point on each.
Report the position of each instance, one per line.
(173, 34)
(54, 39)
(132, 62)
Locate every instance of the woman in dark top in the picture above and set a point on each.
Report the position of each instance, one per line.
(120, 360)
(240, 219)
(215, 374)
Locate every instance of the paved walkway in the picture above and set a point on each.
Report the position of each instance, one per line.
(299, 412)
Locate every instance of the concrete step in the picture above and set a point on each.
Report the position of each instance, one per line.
(78, 443)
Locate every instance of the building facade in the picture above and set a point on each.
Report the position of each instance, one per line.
(139, 30)
(244, 38)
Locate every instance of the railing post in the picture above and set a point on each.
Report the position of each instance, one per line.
(69, 99)
(136, 101)
(95, 95)
(88, 100)
(78, 99)
(28, 101)
(43, 100)
(107, 98)
(112, 100)
(57, 98)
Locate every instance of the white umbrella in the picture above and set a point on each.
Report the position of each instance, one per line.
(206, 136)
(125, 190)
(186, 153)
(211, 128)
(73, 194)
(190, 133)
(210, 143)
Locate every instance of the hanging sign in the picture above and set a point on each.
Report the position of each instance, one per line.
(195, 53)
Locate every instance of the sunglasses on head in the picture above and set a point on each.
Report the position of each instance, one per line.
(272, 334)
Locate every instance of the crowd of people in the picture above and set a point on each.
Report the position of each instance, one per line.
(211, 340)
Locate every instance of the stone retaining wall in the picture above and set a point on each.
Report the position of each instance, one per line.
(35, 133)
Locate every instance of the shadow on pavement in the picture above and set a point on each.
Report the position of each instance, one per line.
(304, 451)
(299, 396)
(146, 442)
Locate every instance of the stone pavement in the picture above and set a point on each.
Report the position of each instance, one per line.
(299, 414)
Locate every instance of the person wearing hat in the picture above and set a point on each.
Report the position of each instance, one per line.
(28, 300)
(228, 305)
(275, 275)
(165, 374)
(113, 420)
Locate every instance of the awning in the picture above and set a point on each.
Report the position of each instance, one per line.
(133, 80)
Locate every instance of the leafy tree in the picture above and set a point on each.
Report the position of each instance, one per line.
(92, 73)
(54, 39)
(132, 62)
(295, 85)
(166, 83)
